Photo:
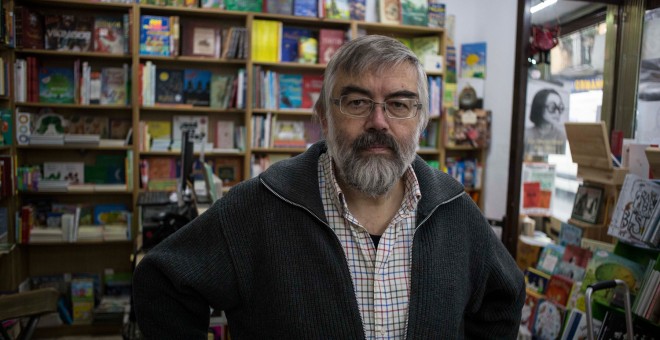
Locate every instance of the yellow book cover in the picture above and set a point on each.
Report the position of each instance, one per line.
(266, 36)
(160, 129)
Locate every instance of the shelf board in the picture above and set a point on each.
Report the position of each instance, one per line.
(462, 148)
(80, 4)
(434, 73)
(409, 29)
(73, 147)
(428, 151)
(210, 153)
(187, 11)
(293, 112)
(193, 109)
(4, 98)
(196, 60)
(75, 106)
(5, 147)
(68, 330)
(68, 54)
(313, 21)
(290, 65)
(75, 193)
(279, 150)
(83, 243)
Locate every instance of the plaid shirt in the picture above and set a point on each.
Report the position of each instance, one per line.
(381, 277)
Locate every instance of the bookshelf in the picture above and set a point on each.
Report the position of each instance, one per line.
(33, 259)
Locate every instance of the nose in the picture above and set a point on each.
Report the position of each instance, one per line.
(378, 118)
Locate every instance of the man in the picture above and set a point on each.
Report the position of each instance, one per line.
(357, 238)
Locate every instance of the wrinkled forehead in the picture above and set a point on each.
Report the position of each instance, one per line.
(377, 75)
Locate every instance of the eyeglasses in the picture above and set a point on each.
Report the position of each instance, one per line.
(554, 108)
(360, 107)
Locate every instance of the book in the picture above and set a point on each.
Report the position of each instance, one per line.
(473, 60)
(311, 89)
(358, 9)
(56, 85)
(96, 125)
(169, 86)
(108, 34)
(559, 289)
(114, 83)
(290, 42)
(308, 50)
(437, 13)
(221, 89)
(389, 12)
(266, 39)
(337, 9)
(305, 8)
(288, 134)
(224, 134)
(199, 124)
(548, 320)
(154, 35)
(202, 38)
(72, 172)
(536, 280)
(569, 234)
(414, 12)
(290, 91)
(67, 32)
(29, 28)
(244, 5)
(284, 7)
(574, 262)
(229, 170)
(329, 42)
(423, 46)
(609, 266)
(550, 257)
(197, 89)
(529, 308)
(632, 214)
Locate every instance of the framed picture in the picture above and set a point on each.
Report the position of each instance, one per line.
(588, 201)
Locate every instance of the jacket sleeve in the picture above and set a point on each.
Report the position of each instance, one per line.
(498, 297)
(177, 281)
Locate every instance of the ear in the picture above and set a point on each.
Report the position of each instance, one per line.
(321, 112)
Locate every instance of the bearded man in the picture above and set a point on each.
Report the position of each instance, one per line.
(356, 238)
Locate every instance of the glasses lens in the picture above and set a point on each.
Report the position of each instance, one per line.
(401, 108)
(554, 108)
(355, 106)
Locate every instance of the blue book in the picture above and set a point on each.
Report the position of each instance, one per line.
(56, 85)
(358, 9)
(305, 8)
(290, 38)
(154, 35)
(197, 87)
(290, 91)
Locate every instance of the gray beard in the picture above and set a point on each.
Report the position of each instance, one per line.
(373, 175)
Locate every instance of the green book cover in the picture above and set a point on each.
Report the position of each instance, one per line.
(244, 5)
(56, 85)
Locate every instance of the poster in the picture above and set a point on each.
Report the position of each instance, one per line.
(538, 185)
(546, 111)
(473, 60)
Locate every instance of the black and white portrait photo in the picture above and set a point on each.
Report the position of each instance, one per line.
(546, 112)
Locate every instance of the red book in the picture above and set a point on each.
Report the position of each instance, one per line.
(559, 289)
(30, 28)
(312, 84)
(329, 42)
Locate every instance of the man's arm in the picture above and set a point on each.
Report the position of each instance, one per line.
(498, 299)
(177, 281)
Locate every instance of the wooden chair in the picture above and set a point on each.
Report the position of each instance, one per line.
(31, 304)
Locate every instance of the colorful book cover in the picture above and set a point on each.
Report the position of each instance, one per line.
(548, 320)
(329, 42)
(529, 308)
(220, 90)
(169, 86)
(450, 65)
(574, 262)
(536, 280)
(289, 134)
(229, 170)
(634, 209)
(114, 86)
(32, 27)
(308, 50)
(305, 8)
(160, 129)
(550, 257)
(199, 124)
(423, 46)
(437, 13)
(244, 5)
(291, 91)
(389, 12)
(608, 266)
(73, 172)
(212, 4)
(115, 213)
(56, 85)
(473, 60)
(559, 289)
(290, 39)
(311, 89)
(569, 234)
(358, 9)
(414, 12)
(154, 35)
(96, 125)
(68, 32)
(6, 127)
(337, 9)
(108, 34)
(197, 89)
(119, 127)
(284, 7)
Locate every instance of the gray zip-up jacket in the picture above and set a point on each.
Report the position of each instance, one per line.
(265, 255)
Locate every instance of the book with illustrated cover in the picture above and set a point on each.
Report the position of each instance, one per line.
(548, 320)
(569, 234)
(389, 12)
(308, 50)
(108, 34)
(201, 38)
(290, 91)
(56, 85)
(289, 134)
(574, 262)
(68, 32)
(311, 89)
(212, 4)
(290, 42)
(305, 8)
(30, 23)
(609, 266)
(199, 124)
(221, 90)
(114, 83)
(559, 289)
(437, 13)
(634, 209)
(536, 280)
(244, 5)
(337, 9)
(73, 172)
(97, 125)
(414, 12)
(529, 308)
(329, 42)
(229, 170)
(358, 9)
(119, 127)
(154, 35)
(284, 7)
(169, 86)
(197, 90)
(473, 60)
(550, 257)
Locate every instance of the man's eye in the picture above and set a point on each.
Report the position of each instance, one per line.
(358, 102)
(398, 104)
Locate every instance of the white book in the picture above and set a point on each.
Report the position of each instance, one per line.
(633, 210)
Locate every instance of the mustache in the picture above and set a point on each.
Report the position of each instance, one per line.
(373, 138)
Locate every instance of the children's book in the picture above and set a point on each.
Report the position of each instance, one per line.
(221, 92)
(155, 35)
(609, 266)
(414, 12)
(574, 262)
(337, 9)
(559, 289)
(305, 8)
(68, 32)
(114, 85)
(529, 308)
(290, 42)
(358, 9)
(548, 320)
(437, 13)
(56, 85)
(569, 234)
(550, 257)
(329, 42)
(311, 89)
(108, 34)
(473, 60)
(536, 280)
(169, 86)
(291, 91)
(284, 7)
(389, 12)
(634, 209)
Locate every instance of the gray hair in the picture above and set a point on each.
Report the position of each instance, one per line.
(371, 53)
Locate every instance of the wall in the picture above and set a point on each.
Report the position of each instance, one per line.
(495, 23)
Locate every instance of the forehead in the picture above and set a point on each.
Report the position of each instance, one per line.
(379, 80)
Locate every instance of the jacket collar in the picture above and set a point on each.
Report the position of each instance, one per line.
(291, 179)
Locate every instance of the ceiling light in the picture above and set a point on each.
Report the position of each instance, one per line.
(542, 5)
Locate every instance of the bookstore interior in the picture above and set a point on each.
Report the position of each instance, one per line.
(122, 120)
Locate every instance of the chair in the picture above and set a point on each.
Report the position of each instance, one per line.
(32, 304)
